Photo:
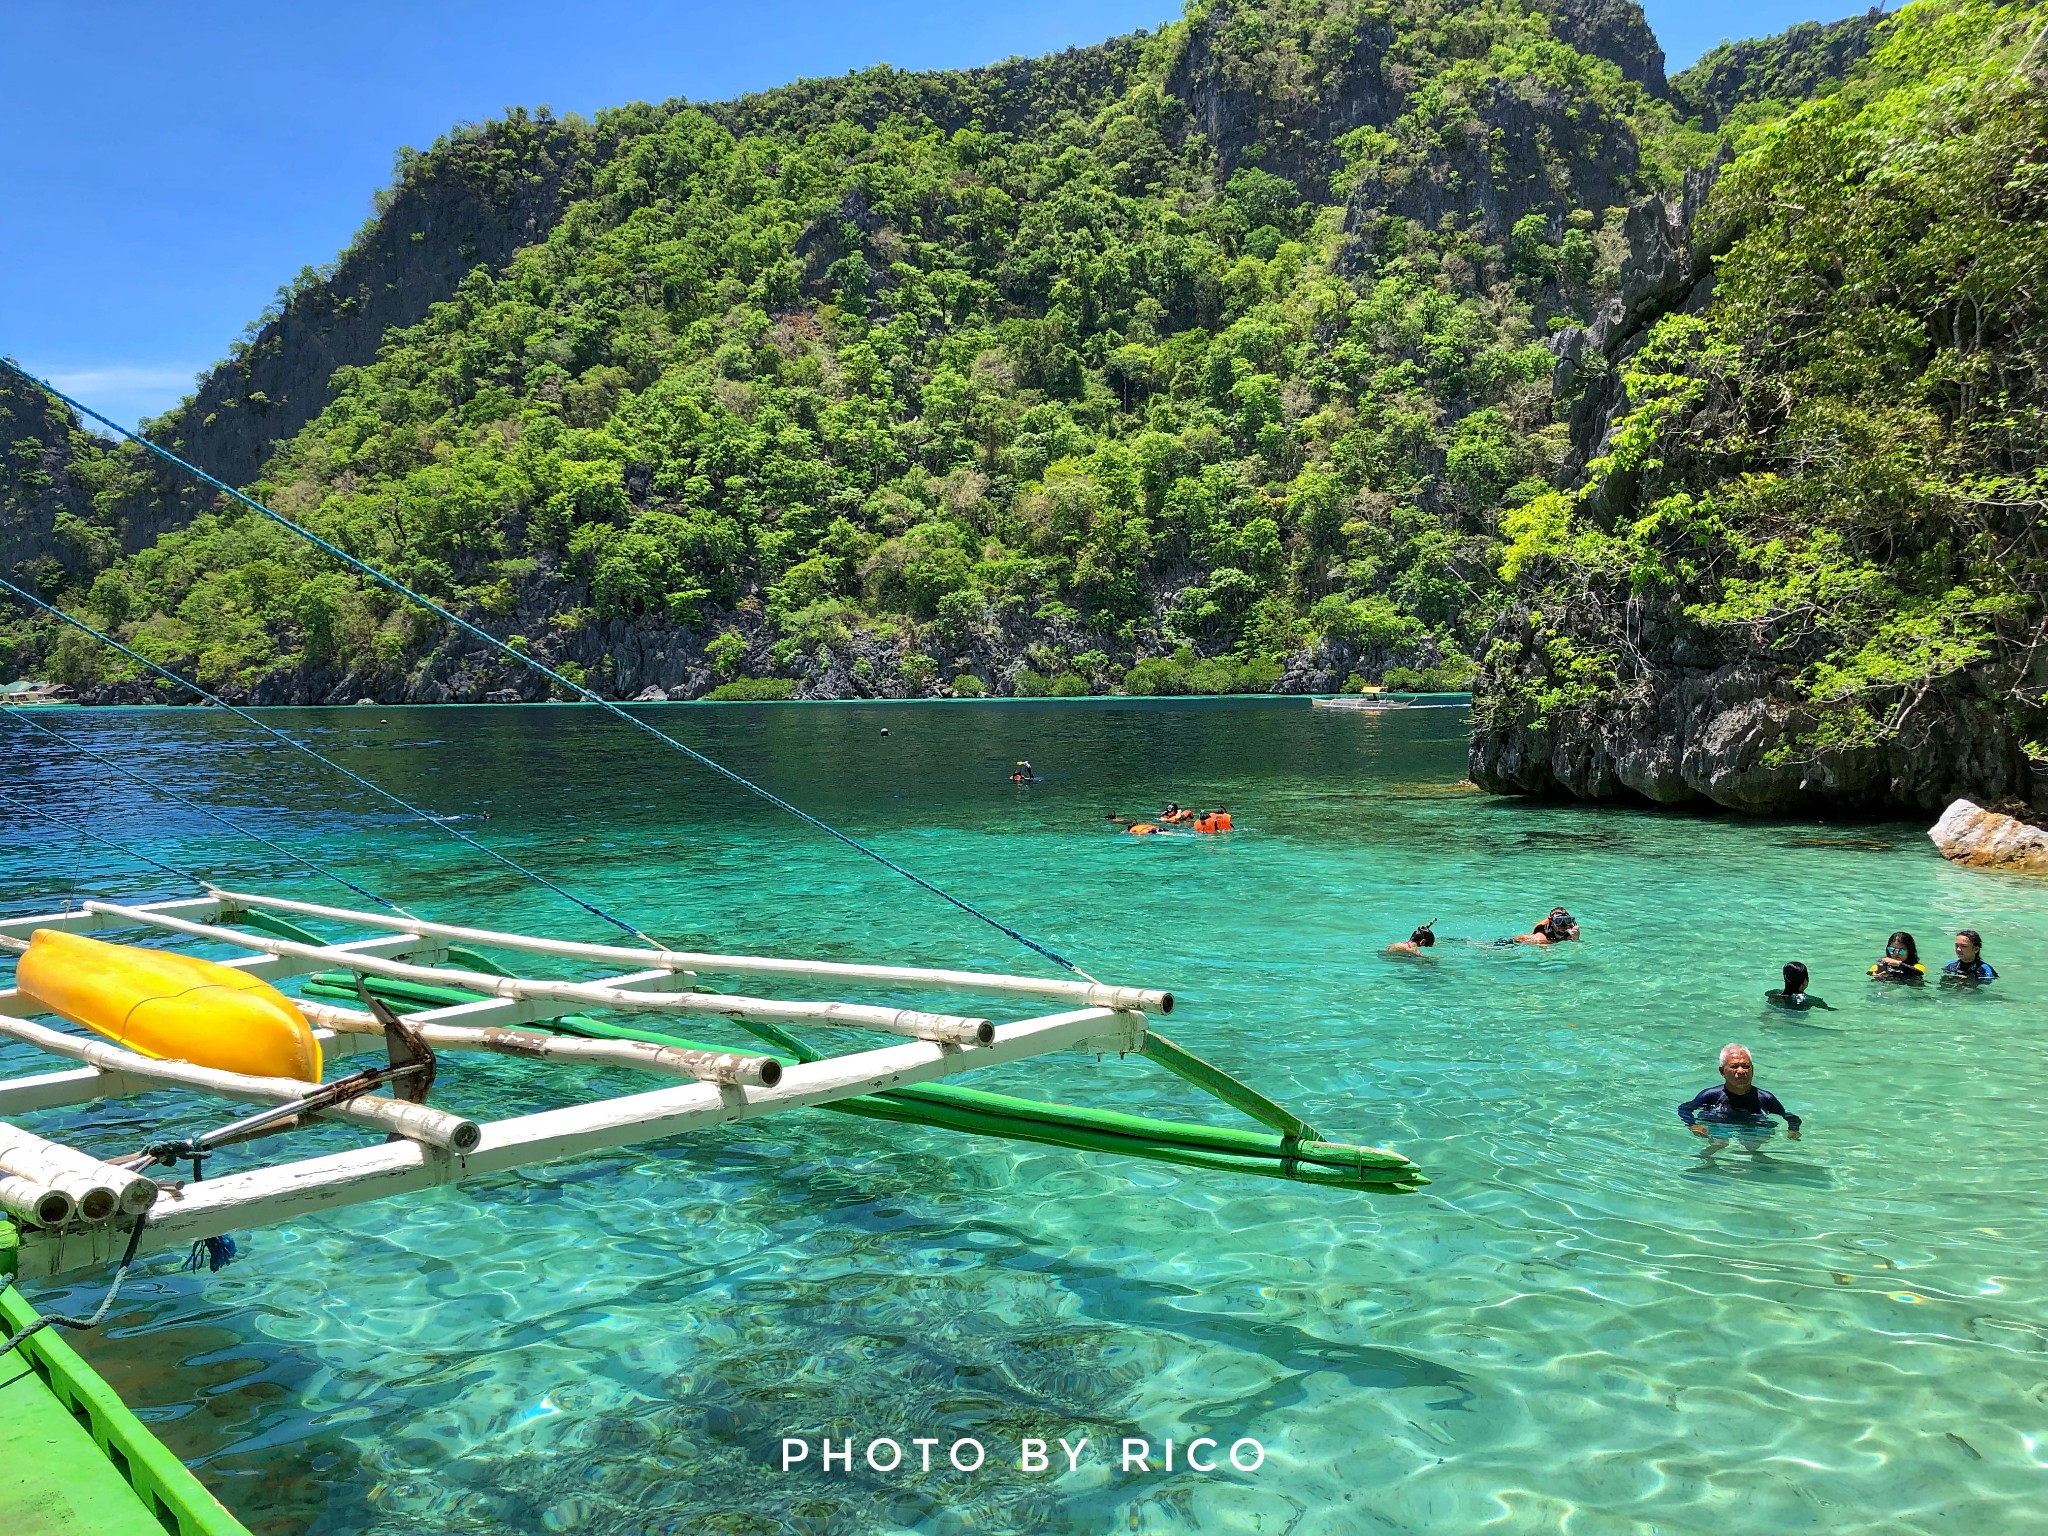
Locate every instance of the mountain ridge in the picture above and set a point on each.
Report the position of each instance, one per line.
(1199, 360)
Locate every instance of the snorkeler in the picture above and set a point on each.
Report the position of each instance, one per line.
(1793, 995)
(1134, 827)
(1737, 1107)
(1217, 820)
(1022, 773)
(1417, 942)
(1969, 964)
(1901, 961)
(1558, 928)
(1173, 813)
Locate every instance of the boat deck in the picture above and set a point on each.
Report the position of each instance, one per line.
(78, 1463)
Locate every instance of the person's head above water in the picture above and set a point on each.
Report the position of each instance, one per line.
(1969, 945)
(1900, 947)
(1738, 1068)
(1559, 925)
(1423, 936)
(1795, 977)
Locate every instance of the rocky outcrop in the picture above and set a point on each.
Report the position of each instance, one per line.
(1668, 269)
(1248, 112)
(1984, 839)
(1012, 96)
(1285, 105)
(470, 202)
(1727, 736)
(46, 534)
(1694, 716)
(1615, 30)
(1809, 60)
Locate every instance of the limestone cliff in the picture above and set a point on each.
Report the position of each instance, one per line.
(1789, 569)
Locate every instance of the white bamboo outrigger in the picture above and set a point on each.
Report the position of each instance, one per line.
(44, 1186)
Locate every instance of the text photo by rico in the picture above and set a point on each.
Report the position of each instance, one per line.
(921, 1453)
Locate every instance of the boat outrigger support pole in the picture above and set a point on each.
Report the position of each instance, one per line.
(1294, 1149)
(457, 1000)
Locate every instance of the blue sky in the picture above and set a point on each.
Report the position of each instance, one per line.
(168, 166)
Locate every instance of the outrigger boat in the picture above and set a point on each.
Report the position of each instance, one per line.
(1376, 700)
(418, 993)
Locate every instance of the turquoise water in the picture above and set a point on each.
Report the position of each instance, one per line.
(1577, 1326)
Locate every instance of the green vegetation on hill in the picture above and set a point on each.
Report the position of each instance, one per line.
(1737, 85)
(1039, 376)
(1839, 471)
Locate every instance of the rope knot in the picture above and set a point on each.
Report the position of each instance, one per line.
(215, 1253)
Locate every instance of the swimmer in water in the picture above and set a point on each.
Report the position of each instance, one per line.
(1023, 774)
(1417, 943)
(1558, 928)
(1901, 961)
(1738, 1107)
(1137, 828)
(1793, 995)
(1969, 965)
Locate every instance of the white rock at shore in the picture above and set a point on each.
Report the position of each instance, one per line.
(1969, 834)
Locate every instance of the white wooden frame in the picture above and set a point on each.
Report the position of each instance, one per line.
(1112, 1020)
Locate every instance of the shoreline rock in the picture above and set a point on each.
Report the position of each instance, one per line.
(1690, 735)
(1968, 833)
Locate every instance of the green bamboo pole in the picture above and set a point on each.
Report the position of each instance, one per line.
(285, 928)
(1220, 1084)
(276, 927)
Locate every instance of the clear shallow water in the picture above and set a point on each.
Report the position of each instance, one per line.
(1575, 1327)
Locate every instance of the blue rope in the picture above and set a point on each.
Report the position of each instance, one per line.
(105, 842)
(393, 584)
(299, 746)
(22, 717)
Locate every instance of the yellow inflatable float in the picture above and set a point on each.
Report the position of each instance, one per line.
(172, 1007)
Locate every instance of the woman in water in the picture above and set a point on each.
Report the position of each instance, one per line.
(1794, 995)
(1901, 961)
(1969, 964)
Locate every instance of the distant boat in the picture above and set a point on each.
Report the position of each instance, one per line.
(33, 693)
(1376, 700)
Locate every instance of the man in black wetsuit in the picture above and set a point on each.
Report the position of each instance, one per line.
(1737, 1106)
